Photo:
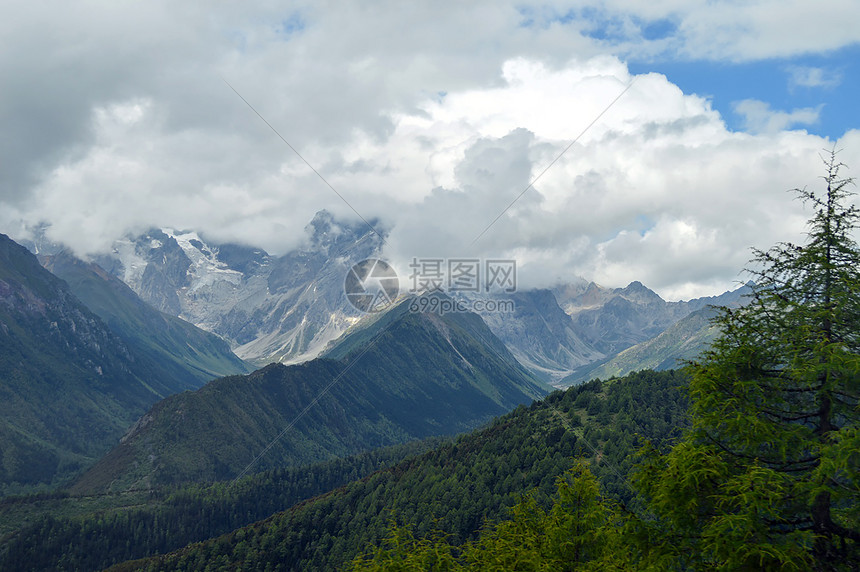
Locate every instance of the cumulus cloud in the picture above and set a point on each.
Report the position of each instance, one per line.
(431, 119)
(660, 191)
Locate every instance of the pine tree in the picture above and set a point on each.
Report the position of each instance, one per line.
(769, 475)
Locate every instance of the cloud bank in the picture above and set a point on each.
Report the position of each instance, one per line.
(431, 120)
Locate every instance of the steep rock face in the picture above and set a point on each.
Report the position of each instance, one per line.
(541, 335)
(68, 385)
(165, 274)
(612, 320)
(303, 306)
(402, 376)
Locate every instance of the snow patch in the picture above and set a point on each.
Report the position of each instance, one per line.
(133, 264)
(205, 269)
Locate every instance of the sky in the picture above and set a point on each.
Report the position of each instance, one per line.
(612, 141)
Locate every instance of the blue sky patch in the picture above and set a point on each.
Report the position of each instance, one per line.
(827, 82)
(292, 24)
(659, 29)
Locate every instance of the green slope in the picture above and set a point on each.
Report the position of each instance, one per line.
(175, 350)
(69, 386)
(406, 376)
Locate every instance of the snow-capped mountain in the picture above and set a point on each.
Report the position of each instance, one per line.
(283, 309)
(289, 308)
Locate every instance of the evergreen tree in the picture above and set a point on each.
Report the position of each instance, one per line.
(769, 474)
(581, 531)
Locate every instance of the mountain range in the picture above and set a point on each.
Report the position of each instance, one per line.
(682, 340)
(118, 377)
(117, 330)
(270, 308)
(289, 308)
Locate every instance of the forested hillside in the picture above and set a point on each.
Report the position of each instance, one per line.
(36, 531)
(460, 486)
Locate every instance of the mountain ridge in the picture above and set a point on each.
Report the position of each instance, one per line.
(177, 348)
(414, 376)
(69, 386)
(290, 308)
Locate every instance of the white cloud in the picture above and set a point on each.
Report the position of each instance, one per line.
(760, 118)
(744, 31)
(660, 191)
(431, 117)
(808, 76)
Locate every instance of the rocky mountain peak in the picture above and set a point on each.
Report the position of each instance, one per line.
(323, 230)
(638, 292)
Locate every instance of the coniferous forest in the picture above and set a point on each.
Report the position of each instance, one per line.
(456, 487)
